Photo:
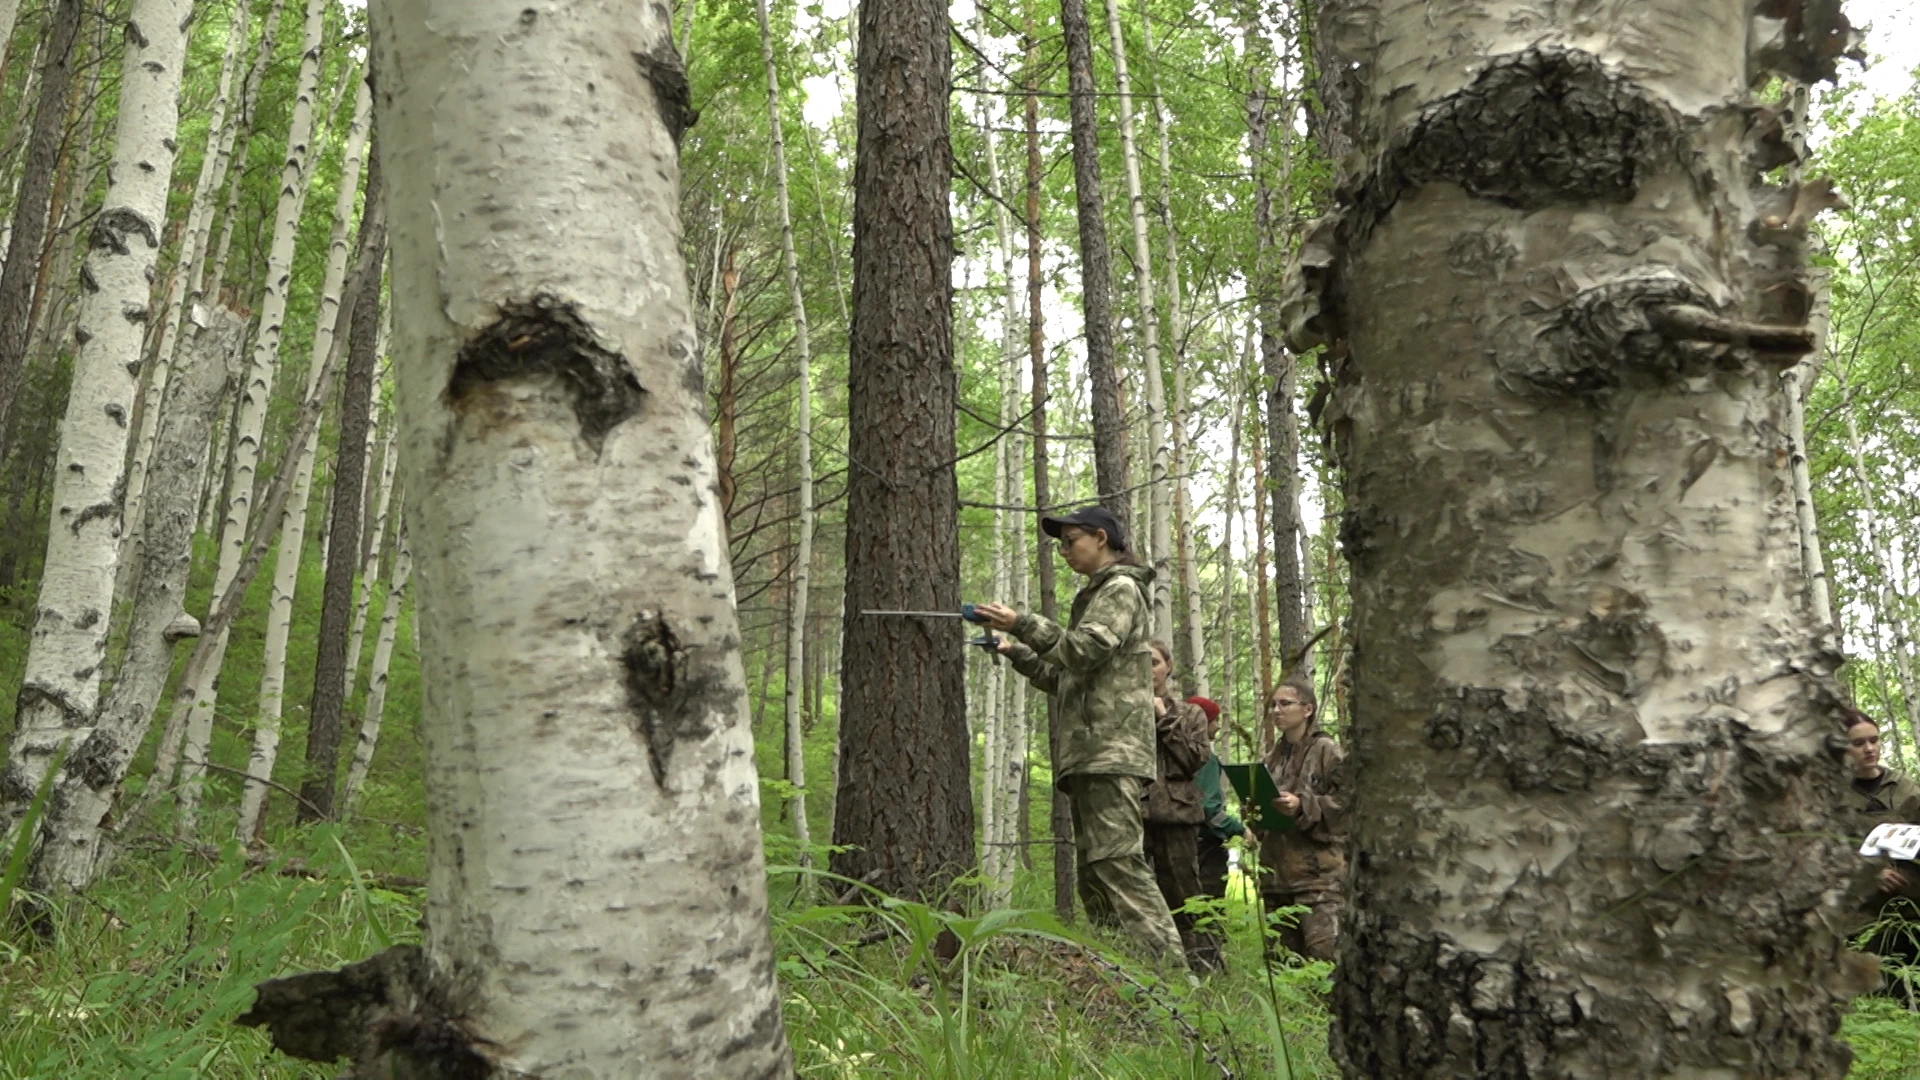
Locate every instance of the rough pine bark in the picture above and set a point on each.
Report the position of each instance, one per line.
(1096, 272)
(329, 700)
(596, 896)
(28, 217)
(905, 805)
(60, 688)
(1592, 777)
(83, 795)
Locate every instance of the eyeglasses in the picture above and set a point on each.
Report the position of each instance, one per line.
(1067, 540)
(1281, 703)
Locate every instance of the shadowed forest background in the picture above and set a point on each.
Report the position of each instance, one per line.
(216, 882)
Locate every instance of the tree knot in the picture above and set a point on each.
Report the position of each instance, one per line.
(547, 336)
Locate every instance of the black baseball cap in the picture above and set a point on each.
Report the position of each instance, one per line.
(1089, 518)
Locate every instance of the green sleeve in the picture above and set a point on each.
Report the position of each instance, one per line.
(1109, 620)
(1044, 676)
(1214, 800)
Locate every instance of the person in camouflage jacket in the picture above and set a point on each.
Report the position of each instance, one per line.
(1098, 672)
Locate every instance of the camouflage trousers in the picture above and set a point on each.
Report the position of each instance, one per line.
(1316, 934)
(1116, 886)
(1174, 852)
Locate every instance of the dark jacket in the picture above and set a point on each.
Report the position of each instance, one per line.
(1221, 825)
(1310, 862)
(1181, 747)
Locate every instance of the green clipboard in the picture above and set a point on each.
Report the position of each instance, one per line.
(1253, 783)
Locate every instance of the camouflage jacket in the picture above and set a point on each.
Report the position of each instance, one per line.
(1888, 798)
(1181, 748)
(1100, 673)
(1310, 862)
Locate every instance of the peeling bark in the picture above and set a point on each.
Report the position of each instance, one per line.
(72, 854)
(1592, 784)
(596, 898)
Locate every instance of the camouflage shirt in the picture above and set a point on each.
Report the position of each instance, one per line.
(1100, 673)
(1889, 798)
(1311, 860)
(1182, 748)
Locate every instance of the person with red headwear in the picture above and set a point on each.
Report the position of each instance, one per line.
(1219, 825)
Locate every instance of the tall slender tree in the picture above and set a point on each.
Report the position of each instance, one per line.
(1592, 722)
(904, 808)
(28, 220)
(1096, 273)
(60, 690)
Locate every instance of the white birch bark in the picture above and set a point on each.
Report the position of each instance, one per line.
(370, 566)
(257, 392)
(60, 688)
(1891, 609)
(72, 854)
(596, 901)
(1590, 773)
(293, 527)
(173, 316)
(803, 453)
(375, 709)
(1191, 621)
(235, 149)
(1159, 504)
(9, 11)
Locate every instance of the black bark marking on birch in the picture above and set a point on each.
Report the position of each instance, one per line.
(386, 1013)
(95, 761)
(547, 336)
(112, 227)
(668, 704)
(1539, 128)
(1814, 35)
(1530, 747)
(671, 95)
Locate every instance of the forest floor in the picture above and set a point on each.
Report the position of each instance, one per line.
(148, 971)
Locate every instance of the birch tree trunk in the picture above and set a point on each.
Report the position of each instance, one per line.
(1005, 730)
(29, 214)
(375, 709)
(1592, 799)
(72, 856)
(1891, 608)
(235, 149)
(293, 527)
(803, 463)
(1060, 820)
(376, 533)
(1191, 620)
(60, 687)
(596, 900)
(257, 393)
(1159, 495)
(1096, 274)
(174, 316)
(9, 11)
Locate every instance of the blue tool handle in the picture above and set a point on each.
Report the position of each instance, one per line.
(968, 613)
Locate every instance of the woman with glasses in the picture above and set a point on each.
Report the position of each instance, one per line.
(1097, 669)
(1305, 866)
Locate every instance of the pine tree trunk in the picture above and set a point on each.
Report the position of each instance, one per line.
(257, 393)
(375, 709)
(802, 566)
(1592, 801)
(1159, 530)
(293, 527)
(193, 238)
(324, 717)
(590, 787)
(89, 782)
(60, 687)
(904, 808)
(1096, 275)
(1060, 819)
(29, 213)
